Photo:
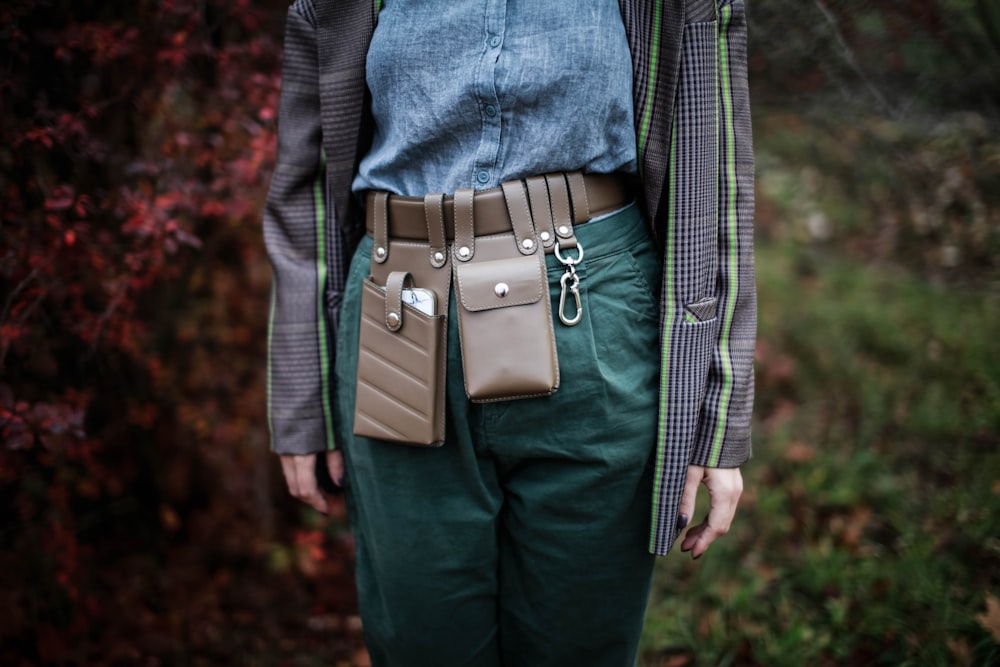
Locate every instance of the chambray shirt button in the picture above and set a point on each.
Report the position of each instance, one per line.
(483, 176)
(491, 110)
(495, 41)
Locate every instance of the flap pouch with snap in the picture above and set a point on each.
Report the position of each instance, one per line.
(500, 283)
(505, 326)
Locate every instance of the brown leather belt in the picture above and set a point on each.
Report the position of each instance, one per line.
(406, 215)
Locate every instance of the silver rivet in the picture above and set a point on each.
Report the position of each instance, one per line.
(563, 230)
(380, 252)
(545, 236)
(439, 257)
(527, 244)
(392, 319)
(464, 252)
(501, 290)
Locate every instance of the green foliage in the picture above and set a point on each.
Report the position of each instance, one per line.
(869, 532)
(924, 194)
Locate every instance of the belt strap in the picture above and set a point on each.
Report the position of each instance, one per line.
(378, 219)
(579, 196)
(462, 224)
(564, 213)
(434, 218)
(520, 216)
(541, 210)
(591, 194)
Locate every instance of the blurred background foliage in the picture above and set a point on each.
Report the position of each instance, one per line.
(144, 522)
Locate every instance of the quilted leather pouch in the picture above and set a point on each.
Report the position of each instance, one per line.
(401, 367)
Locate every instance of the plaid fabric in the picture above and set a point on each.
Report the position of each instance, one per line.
(295, 231)
(696, 163)
(708, 307)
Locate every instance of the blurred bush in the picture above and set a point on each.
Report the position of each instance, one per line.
(135, 148)
(899, 58)
(877, 127)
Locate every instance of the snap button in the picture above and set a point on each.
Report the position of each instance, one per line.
(563, 230)
(545, 236)
(392, 319)
(501, 290)
(527, 244)
(439, 257)
(464, 251)
(380, 252)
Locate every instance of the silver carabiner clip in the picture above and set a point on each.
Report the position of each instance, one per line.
(574, 287)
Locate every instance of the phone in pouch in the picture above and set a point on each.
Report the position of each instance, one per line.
(420, 298)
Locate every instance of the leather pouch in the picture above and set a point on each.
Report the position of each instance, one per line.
(402, 351)
(401, 367)
(504, 311)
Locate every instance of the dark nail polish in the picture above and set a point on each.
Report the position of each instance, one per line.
(682, 521)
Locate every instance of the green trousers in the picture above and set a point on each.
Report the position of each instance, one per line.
(522, 540)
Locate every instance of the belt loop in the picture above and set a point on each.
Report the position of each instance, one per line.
(578, 191)
(394, 299)
(541, 209)
(465, 241)
(434, 218)
(562, 217)
(380, 227)
(520, 216)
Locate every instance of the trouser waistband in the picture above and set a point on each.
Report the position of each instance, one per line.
(571, 196)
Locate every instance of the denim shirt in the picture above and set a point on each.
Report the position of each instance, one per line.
(473, 93)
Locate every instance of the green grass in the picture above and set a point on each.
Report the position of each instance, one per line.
(870, 529)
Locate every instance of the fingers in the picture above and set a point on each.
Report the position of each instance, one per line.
(686, 510)
(300, 475)
(335, 465)
(725, 485)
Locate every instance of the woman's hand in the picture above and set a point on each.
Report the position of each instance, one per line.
(724, 488)
(300, 475)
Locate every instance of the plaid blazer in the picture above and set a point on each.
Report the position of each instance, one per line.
(692, 126)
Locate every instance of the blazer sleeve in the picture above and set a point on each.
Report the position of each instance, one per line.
(723, 434)
(298, 355)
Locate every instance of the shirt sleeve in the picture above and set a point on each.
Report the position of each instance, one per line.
(723, 434)
(298, 358)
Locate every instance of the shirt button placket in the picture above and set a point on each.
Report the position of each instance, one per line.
(486, 158)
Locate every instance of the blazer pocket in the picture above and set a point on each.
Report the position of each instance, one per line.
(700, 11)
(701, 311)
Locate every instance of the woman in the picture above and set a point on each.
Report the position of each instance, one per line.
(527, 536)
